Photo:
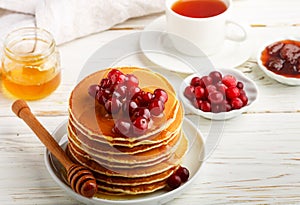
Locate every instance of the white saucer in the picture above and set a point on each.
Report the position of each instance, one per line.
(193, 161)
(231, 55)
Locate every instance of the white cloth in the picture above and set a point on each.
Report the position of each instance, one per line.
(71, 19)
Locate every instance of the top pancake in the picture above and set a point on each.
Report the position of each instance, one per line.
(89, 115)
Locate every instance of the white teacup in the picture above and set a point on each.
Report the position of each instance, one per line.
(206, 34)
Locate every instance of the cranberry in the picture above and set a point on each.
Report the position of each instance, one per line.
(113, 105)
(106, 93)
(129, 107)
(174, 181)
(140, 125)
(229, 81)
(197, 103)
(205, 106)
(199, 92)
(138, 96)
(215, 97)
(161, 94)
(216, 108)
(207, 80)
(103, 95)
(210, 89)
(114, 72)
(242, 92)
(101, 98)
(132, 91)
(116, 76)
(196, 81)
(232, 92)
(183, 173)
(216, 76)
(221, 87)
(146, 98)
(131, 81)
(141, 112)
(120, 92)
(122, 127)
(105, 83)
(228, 107)
(244, 99)
(156, 107)
(189, 92)
(93, 90)
(236, 103)
(240, 85)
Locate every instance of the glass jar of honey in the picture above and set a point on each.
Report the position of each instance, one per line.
(30, 64)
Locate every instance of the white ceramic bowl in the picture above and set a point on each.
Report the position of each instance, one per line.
(193, 160)
(280, 78)
(249, 87)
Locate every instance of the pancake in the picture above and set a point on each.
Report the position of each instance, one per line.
(126, 165)
(101, 147)
(152, 137)
(174, 160)
(88, 114)
(91, 121)
(144, 159)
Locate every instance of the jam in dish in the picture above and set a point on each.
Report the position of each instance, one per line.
(283, 58)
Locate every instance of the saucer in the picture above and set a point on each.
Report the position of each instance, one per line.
(231, 55)
(193, 160)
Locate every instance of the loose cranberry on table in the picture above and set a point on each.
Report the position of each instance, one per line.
(121, 95)
(216, 93)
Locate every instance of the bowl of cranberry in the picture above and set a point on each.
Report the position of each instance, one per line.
(218, 95)
(280, 60)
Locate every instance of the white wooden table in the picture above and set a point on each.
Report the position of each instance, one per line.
(257, 160)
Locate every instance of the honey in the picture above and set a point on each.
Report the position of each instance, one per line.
(30, 64)
(30, 83)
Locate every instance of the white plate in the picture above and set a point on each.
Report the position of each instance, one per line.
(280, 78)
(249, 87)
(193, 161)
(232, 54)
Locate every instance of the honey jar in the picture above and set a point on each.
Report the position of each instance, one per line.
(30, 64)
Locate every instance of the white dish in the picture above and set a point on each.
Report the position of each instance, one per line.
(280, 78)
(193, 161)
(249, 87)
(232, 54)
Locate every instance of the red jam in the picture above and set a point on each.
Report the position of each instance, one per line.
(283, 58)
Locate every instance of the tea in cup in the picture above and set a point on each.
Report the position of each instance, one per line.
(202, 23)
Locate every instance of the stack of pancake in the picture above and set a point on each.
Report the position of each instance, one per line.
(125, 165)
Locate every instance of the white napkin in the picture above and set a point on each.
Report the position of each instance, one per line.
(71, 19)
(23, 6)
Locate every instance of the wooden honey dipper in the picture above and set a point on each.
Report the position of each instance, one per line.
(80, 178)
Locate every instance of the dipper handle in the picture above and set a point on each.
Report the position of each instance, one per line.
(80, 178)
